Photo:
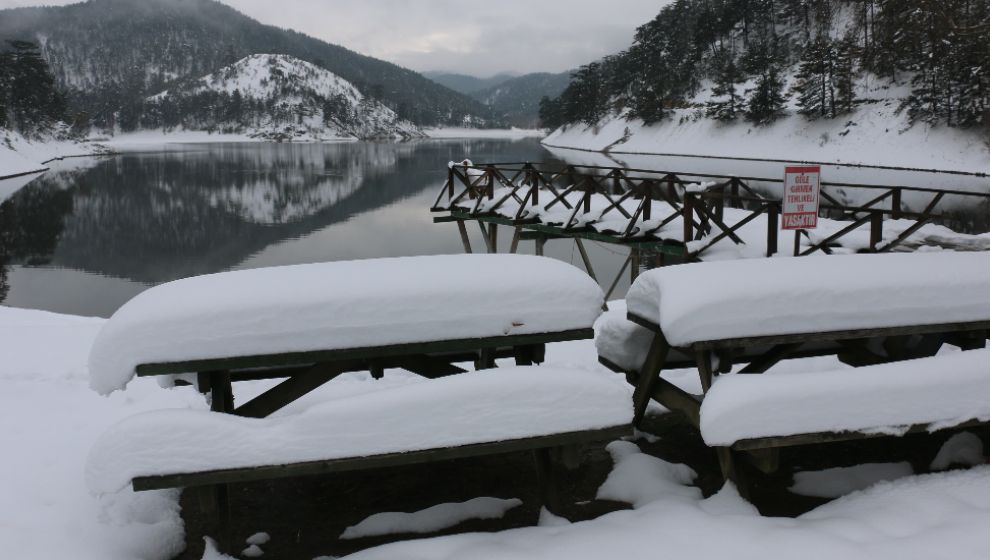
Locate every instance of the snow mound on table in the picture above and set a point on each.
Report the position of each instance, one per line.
(619, 340)
(352, 304)
(485, 406)
(436, 518)
(735, 299)
(944, 391)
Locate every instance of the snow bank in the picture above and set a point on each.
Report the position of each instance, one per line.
(429, 520)
(19, 156)
(944, 390)
(485, 406)
(932, 516)
(483, 133)
(747, 298)
(50, 420)
(351, 304)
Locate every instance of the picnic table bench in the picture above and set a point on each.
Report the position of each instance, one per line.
(744, 317)
(310, 324)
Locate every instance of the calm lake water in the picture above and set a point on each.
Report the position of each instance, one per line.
(94, 232)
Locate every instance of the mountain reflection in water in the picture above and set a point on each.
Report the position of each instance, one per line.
(88, 236)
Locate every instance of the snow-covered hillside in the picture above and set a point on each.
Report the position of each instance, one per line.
(276, 97)
(877, 132)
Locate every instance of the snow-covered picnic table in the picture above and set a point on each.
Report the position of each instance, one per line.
(355, 311)
(309, 324)
(744, 317)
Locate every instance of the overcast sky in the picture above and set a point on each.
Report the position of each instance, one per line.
(480, 37)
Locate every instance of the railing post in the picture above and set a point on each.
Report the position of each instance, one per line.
(773, 213)
(895, 205)
(735, 191)
(490, 187)
(687, 215)
(450, 183)
(876, 229)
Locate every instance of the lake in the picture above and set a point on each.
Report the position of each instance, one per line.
(94, 232)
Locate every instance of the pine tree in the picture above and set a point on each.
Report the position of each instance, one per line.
(32, 100)
(815, 80)
(766, 102)
(844, 75)
(727, 104)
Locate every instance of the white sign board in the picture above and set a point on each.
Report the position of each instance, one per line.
(802, 195)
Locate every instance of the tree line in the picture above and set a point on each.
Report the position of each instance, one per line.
(753, 56)
(29, 99)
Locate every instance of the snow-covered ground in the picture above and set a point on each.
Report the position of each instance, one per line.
(51, 419)
(876, 133)
(483, 133)
(21, 156)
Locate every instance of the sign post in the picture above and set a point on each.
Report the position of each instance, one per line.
(802, 197)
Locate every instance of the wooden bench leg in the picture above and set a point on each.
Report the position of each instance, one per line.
(217, 384)
(485, 359)
(549, 491)
(529, 354)
(732, 472)
(648, 374)
(214, 504)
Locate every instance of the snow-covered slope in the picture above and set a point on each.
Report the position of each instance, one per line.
(875, 133)
(277, 97)
(22, 156)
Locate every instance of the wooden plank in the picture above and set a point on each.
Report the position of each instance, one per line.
(288, 391)
(268, 472)
(396, 350)
(828, 437)
(825, 336)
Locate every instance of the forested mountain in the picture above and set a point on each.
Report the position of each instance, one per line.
(110, 55)
(276, 97)
(465, 84)
(517, 101)
(756, 59)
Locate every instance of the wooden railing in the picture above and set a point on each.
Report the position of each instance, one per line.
(698, 199)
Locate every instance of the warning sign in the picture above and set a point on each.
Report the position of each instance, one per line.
(802, 189)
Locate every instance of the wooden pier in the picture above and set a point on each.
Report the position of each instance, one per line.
(666, 217)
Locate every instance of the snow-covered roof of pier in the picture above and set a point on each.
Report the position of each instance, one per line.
(353, 304)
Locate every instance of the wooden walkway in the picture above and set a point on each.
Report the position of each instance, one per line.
(666, 217)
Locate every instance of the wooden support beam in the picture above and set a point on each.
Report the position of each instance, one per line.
(221, 392)
(674, 398)
(649, 373)
(514, 247)
(465, 240)
(287, 392)
(771, 358)
(429, 367)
